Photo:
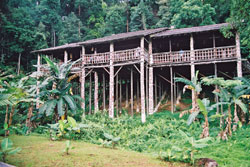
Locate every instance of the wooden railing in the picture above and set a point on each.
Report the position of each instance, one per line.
(127, 55)
(208, 54)
(99, 58)
(171, 57)
(218, 53)
(123, 56)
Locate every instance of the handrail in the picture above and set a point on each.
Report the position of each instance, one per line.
(206, 54)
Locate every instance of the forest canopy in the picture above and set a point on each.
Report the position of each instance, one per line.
(27, 25)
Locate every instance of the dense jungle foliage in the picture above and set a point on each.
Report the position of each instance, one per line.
(27, 25)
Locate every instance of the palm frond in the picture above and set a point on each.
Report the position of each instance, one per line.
(70, 101)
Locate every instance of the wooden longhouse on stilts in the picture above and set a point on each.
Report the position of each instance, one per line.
(151, 58)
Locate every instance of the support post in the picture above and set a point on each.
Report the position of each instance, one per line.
(155, 90)
(151, 80)
(172, 93)
(137, 95)
(132, 92)
(65, 56)
(143, 114)
(111, 82)
(82, 81)
(38, 82)
(90, 93)
(126, 93)
(120, 96)
(117, 93)
(104, 91)
(192, 55)
(238, 54)
(147, 105)
(216, 87)
(96, 92)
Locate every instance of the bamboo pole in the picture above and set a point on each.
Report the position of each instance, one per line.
(96, 92)
(111, 83)
(216, 87)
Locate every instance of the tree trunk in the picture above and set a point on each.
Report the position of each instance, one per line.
(29, 115)
(19, 64)
(6, 118)
(205, 132)
(236, 118)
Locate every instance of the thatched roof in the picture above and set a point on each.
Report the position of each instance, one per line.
(107, 39)
(62, 47)
(190, 30)
(123, 36)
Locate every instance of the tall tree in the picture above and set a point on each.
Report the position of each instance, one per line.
(193, 13)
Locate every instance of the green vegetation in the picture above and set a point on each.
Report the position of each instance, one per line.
(6, 149)
(39, 151)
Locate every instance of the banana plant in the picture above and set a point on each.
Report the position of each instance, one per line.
(57, 96)
(229, 93)
(193, 145)
(111, 140)
(204, 109)
(195, 86)
(7, 149)
(68, 147)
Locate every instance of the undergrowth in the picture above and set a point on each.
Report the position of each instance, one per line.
(160, 136)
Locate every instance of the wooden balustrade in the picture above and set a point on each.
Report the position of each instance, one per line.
(218, 53)
(171, 57)
(127, 55)
(208, 54)
(99, 58)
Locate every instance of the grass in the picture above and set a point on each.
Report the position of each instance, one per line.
(39, 151)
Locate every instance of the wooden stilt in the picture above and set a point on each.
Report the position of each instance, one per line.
(150, 80)
(151, 91)
(156, 90)
(174, 90)
(38, 82)
(172, 93)
(192, 55)
(65, 56)
(132, 92)
(238, 54)
(143, 113)
(82, 81)
(104, 91)
(137, 95)
(117, 93)
(126, 93)
(120, 96)
(216, 87)
(111, 83)
(90, 93)
(96, 92)
(147, 97)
